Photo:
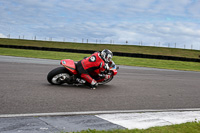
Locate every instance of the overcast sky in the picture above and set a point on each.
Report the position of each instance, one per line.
(151, 22)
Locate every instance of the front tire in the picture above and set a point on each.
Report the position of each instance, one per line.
(58, 76)
(105, 81)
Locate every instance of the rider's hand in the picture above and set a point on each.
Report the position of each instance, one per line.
(106, 67)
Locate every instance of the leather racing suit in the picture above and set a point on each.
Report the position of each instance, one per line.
(93, 64)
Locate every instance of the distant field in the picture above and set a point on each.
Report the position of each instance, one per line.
(130, 61)
(98, 47)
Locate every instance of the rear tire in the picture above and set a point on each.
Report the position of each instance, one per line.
(56, 76)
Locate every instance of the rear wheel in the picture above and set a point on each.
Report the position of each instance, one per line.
(58, 76)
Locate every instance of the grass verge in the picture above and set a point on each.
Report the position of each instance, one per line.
(141, 62)
(115, 48)
(189, 127)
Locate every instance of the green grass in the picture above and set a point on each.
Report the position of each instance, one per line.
(41, 54)
(98, 47)
(189, 127)
(141, 62)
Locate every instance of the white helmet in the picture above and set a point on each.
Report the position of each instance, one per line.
(106, 55)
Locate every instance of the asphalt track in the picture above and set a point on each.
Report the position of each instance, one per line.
(24, 89)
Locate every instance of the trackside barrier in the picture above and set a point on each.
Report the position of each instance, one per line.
(92, 51)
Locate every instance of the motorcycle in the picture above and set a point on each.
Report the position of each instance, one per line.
(68, 74)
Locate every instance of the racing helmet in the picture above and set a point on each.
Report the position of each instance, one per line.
(106, 55)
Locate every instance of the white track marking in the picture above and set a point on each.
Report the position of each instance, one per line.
(96, 112)
(151, 119)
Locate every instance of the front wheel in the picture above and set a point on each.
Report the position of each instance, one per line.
(106, 81)
(58, 76)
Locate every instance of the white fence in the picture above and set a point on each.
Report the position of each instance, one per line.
(98, 41)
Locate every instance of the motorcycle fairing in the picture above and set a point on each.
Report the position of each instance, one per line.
(114, 69)
(69, 65)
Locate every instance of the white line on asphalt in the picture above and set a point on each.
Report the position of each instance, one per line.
(95, 112)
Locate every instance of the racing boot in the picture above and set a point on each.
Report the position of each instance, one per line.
(93, 85)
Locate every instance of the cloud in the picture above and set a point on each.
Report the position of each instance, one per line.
(2, 36)
(149, 21)
(150, 34)
(194, 9)
(147, 33)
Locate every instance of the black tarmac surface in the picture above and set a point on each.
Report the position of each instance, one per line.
(54, 124)
(24, 89)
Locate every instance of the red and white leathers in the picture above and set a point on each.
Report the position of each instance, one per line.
(93, 64)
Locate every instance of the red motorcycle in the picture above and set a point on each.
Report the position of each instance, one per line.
(68, 74)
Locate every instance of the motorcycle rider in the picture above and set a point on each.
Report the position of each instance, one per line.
(97, 62)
